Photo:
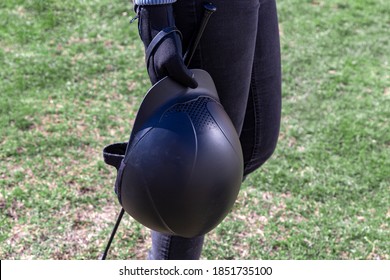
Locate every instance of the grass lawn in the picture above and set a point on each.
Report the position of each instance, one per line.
(72, 76)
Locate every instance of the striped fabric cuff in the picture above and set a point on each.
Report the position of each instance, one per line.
(153, 2)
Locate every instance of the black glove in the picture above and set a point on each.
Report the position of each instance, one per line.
(165, 57)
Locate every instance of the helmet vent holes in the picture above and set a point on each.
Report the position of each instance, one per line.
(197, 111)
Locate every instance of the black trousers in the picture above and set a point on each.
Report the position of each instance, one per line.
(240, 49)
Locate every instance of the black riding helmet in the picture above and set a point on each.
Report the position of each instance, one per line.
(182, 168)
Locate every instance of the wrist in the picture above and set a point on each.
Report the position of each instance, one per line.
(153, 19)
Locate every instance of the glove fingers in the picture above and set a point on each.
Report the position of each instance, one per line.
(167, 61)
(180, 74)
(183, 75)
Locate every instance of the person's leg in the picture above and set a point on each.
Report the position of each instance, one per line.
(166, 246)
(169, 247)
(240, 49)
(237, 31)
(262, 120)
(226, 51)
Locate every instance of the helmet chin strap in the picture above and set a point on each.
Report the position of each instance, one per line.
(118, 221)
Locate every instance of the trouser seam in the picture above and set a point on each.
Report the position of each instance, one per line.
(257, 120)
(168, 245)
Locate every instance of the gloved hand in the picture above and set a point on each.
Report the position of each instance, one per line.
(166, 58)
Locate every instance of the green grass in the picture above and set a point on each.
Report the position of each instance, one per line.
(72, 77)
